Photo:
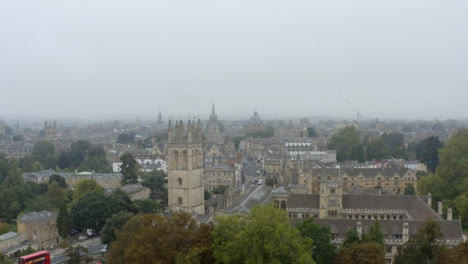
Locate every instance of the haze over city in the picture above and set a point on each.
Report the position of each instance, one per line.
(123, 59)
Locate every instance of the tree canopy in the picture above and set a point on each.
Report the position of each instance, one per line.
(129, 169)
(44, 152)
(83, 156)
(92, 210)
(348, 145)
(323, 251)
(264, 236)
(63, 222)
(450, 181)
(364, 253)
(114, 223)
(153, 238)
(86, 186)
(423, 246)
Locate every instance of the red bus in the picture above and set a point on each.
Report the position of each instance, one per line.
(41, 257)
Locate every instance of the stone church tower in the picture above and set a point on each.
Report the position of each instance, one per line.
(212, 131)
(331, 198)
(50, 130)
(185, 161)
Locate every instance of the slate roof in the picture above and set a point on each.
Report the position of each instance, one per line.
(304, 201)
(7, 236)
(38, 216)
(220, 167)
(414, 205)
(366, 173)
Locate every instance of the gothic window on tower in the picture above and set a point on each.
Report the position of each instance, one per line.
(179, 201)
(179, 180)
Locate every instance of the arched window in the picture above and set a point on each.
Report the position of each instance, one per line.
(179, 180)
(179, 201)
(283, 205)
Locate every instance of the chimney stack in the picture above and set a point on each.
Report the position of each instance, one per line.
(449, 214)
(439, 207)
(429, 200)
(405, 235)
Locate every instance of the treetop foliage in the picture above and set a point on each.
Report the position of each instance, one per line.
(264, 236)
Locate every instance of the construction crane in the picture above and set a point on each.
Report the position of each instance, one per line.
(358, 112)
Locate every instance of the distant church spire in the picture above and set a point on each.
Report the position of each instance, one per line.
(213, 109)
(160, 119)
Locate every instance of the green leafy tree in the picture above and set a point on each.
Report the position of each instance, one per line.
(4, 259)
(375, 149)
(37, 166)
(409, 190)
(27, 251)
(115, 222)
(154, 238)
(56, 195)
(155, 181)
(44, 152)
(451, 177)
(59, 179)
(63, 222)
(129, 169)
(86, 186)
(264, 236)
(456, 255)
(323, 250)
(92, 210)
(13, 177)
(347, 143)
(351, 237)
(365, 253)
(429, 152)
(375, 234)
(96, 159)
(26, 163)
(423, 247)
(461, 207)
(4, 228)
(148, 206)
(126, 138)
(4, 166)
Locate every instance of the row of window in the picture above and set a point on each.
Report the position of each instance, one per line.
(218, 182)
(381, 217)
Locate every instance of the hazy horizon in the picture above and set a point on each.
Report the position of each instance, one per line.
(105, 60)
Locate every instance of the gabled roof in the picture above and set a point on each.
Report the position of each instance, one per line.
(414, 205)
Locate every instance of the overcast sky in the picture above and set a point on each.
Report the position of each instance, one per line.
(119, 59)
